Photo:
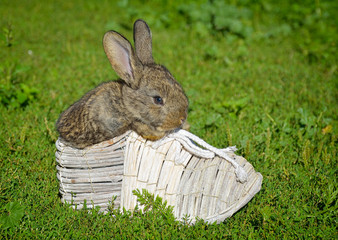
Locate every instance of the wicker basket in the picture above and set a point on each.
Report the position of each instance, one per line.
(195, 186)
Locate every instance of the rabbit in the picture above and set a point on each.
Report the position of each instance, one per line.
(146, 99)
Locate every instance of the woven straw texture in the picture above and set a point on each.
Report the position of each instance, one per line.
(198, 187)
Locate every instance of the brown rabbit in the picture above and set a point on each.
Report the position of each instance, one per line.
(147, 99)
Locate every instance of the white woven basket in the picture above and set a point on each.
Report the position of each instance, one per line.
(173, 168)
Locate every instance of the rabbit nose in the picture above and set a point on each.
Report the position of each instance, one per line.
(182, 119)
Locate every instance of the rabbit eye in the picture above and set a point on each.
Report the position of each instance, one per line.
(158, 100)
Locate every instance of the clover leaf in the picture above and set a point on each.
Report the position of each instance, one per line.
(12, 216)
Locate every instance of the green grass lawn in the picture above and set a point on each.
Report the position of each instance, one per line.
(259, 75)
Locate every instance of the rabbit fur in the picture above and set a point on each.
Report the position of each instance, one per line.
(147, 99)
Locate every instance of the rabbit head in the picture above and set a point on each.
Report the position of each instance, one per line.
(154, 101)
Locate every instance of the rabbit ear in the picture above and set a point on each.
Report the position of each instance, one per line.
(142, 40)
(121, 56)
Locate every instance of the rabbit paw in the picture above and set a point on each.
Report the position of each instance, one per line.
(152, 138)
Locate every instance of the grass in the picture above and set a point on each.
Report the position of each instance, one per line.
(259, 75)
